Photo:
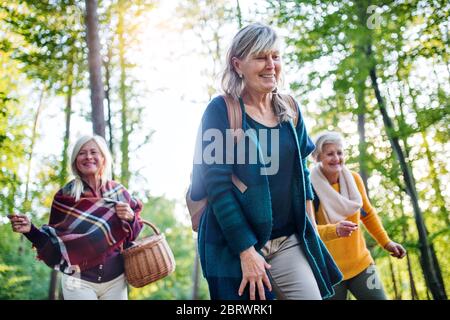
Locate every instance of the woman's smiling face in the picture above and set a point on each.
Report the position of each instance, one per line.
(90, 160)
(332, 158)
(261, 72)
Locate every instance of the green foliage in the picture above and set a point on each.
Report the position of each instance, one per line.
(21, 276)
(49, 40)
(42, 44)
(12, 133)
(12, 286)
(207, 20)
(331, 48)
(125, 22)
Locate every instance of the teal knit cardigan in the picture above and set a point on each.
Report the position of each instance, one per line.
(234, 221)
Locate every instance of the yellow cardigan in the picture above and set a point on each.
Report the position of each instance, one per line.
(350, 253)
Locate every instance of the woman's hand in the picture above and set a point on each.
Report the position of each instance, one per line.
(345, 228)
(124, 211)
(20, 223)
(395, 249)
(254, 273)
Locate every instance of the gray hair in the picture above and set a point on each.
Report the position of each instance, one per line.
(105, 174)
(250, 40)
(323, 138)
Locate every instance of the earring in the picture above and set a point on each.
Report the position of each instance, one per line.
(240, 75)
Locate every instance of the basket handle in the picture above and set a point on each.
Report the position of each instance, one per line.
(151, 225)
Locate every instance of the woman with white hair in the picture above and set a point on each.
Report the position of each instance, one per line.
(257, 232)
(341, 203)
(91, 219)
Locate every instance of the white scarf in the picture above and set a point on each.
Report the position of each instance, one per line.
(337, 206)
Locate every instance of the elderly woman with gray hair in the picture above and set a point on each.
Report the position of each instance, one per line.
(257, 231)
(341, 202)
(91, 219)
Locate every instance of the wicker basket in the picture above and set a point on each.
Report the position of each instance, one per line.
(149, 259)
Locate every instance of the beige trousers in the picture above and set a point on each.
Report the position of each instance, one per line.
(292, 277)
(77, 289)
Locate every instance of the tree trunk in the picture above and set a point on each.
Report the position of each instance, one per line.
(26, 207)
(124, 143)
(95, 68)
(400, 118)
(362, 146)
(433, 176)
(53, 291)
(196, 276)
(435, 181)
(412, 283)
(394, 281)
(107, 66)
(430, 158)
(27, 204)
(239, 14)
(400, 288)
(68, 112)
(427, 261)
(360, 90)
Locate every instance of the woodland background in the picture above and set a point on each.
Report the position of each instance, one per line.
(141, 72)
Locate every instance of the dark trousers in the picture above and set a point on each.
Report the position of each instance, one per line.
(365, 286)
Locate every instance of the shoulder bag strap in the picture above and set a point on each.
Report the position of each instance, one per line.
(234, 116)
(291, 102)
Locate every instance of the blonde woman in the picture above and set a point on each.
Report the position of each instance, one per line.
(342, 204)
(91, 219)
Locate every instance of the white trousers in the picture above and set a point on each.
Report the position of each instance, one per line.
(74, 288)
(292, 277)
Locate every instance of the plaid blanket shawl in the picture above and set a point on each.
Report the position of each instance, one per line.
(88, 229)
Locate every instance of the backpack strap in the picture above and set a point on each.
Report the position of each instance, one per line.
(234, 116)
(197, 208)
(235, 119)
(291, 102)
(235, 112)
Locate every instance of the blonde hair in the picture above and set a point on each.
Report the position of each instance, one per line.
(323, 138)
(250, 40)
(105, 172)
